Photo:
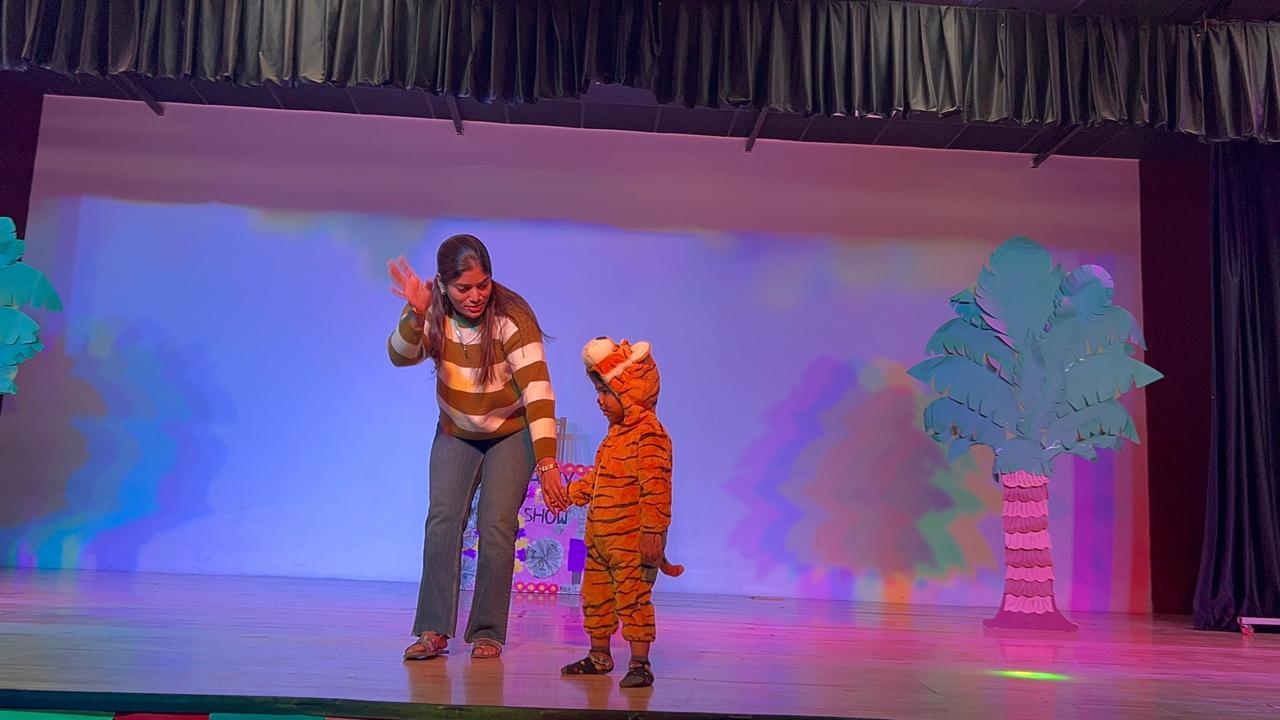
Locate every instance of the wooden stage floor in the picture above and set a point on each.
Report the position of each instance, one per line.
(163, 643)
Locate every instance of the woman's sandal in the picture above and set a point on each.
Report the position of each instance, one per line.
(588, 666)
(486, 649)
(638, 675)
(429, 645)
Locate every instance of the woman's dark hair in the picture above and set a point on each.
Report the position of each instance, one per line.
(457, 255)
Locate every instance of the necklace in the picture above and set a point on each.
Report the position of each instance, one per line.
(457, 330)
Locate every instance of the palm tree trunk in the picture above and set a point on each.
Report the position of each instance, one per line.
(1028, 601)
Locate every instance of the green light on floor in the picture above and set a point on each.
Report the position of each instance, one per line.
(1029, 675)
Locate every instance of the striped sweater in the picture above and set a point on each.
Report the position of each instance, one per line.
(519, 396)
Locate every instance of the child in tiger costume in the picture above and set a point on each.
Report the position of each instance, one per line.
(629, 498)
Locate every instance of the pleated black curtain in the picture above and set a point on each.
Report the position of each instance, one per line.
(512, 51)
(1220, 81)
(1240, 562)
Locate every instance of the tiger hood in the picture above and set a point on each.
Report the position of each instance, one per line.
(629, 371)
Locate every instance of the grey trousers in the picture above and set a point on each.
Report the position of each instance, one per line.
(501, 470)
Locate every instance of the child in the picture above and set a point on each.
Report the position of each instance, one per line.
(629, 494)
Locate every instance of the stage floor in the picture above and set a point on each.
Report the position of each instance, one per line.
(126, 642)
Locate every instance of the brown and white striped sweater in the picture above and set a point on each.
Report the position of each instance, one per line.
(520, 394)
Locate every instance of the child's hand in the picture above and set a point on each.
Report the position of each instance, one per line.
(651, 549)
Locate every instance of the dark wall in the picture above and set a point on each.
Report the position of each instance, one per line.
(19, 129)
(1176, 215)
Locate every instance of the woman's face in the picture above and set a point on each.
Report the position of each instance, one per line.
(470, 292)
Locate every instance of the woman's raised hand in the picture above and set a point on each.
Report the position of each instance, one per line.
(406, 284)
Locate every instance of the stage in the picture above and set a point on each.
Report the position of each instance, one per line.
(117, 642)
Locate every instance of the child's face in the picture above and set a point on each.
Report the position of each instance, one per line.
(608, 402)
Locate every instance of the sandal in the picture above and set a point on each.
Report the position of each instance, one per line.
(596, 663)
(638, 675)
(429, 645)
(478, 653)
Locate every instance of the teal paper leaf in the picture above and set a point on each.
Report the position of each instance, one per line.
(1017, 289)
(21, 285)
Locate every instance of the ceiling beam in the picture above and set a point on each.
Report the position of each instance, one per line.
(755, 131)
(888, 119)
(454, 113)
(954, 138)
(808, 124)
(1121, 131)
(137, 92)
(274, 96)
(1039, 160)
(195, 89)
(351, 99)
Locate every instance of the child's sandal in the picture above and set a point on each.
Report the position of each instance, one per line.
(638, 675)
(587, 666)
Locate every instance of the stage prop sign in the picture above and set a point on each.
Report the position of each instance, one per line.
(20, 286)
(550, 553)
(1032, 367)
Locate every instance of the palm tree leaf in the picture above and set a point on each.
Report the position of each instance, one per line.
(1040, 386)
(1088, 449)
(960, 428)
(1084, 292)
(11, 248)
(947, 420)
(1084, 450)
(977, 388)
(958, 447)
(1025, 455)
(965, 305)
(17, 327)
(1074, 338)
(1105, 420)
(7, 375)
(959, 337)
(1113, 326)
(18, 353)
(21, 284)
(1018, 288)
(1103, 376)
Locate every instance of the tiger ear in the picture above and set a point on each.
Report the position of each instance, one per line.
(640, 351)
(596, 351)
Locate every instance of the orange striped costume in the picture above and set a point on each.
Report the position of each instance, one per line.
(628, 493)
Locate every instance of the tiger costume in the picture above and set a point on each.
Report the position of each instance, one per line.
(629, 494)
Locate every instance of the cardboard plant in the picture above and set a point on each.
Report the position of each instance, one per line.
(1032, 367)
(20, 286)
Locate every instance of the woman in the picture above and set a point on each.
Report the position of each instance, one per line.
(497, 413)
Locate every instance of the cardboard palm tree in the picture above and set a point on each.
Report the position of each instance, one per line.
(20, 285)
(1032, 367)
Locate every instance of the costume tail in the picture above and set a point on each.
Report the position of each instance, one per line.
(669, 569)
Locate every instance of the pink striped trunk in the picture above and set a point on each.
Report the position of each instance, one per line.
(1028, 601)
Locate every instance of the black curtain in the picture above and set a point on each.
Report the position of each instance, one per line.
(1219, 80)
(508, 50)
(1240, 561)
